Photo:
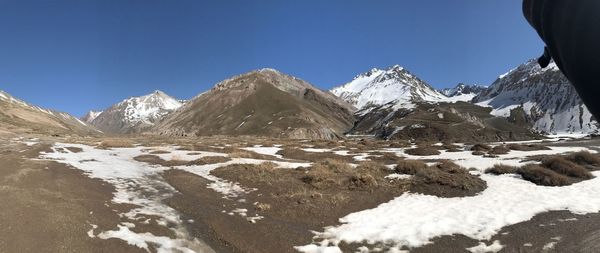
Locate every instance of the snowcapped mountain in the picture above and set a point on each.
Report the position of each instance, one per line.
(464, 92)
(90, 116)
(135, 114)
(378, 87)
(17, 115)
(543, 98)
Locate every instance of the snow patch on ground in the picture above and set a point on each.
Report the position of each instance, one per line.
(507, 200)
(141, 185)
(483, 248)
(259, 149)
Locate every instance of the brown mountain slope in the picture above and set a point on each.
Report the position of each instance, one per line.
(262, 103)
(17, 116)
(446, 122)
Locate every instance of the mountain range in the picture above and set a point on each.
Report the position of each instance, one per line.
(386, 103)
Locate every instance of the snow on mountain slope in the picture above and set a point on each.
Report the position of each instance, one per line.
(19, 115)
(378, 87)
(463, 92)
(549, 102)
(90, 116)
(136, 113)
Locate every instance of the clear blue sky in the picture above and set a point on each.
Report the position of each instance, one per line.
(84, 54)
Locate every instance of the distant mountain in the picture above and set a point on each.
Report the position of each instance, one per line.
(542, 98)
(18, 116)
(90, 116)
(464, 92)
(379, 87)
(263, 103)
(136, 114)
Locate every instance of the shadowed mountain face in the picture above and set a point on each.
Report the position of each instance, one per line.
(466, 91)
(136, 114)
(542, 98)
(263, 103)
(17, 116)
(444, 122)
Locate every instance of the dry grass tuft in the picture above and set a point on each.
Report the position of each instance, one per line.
(500, 169)
(410, 167)
(562, 166)
(542, 176)
(499, 150)
(481, 148)
(153, 159)
(423, 151)
(588, 160)
(527, 147)
(447, 179)
(115, 143)
(325, 174)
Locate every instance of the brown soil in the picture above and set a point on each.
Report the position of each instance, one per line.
(423, 151)
(292, 205)
(49, 207)
(299, 154)
(152, 159)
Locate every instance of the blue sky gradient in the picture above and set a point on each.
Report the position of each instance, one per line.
(74, 55)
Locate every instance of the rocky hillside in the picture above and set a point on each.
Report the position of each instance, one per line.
(439, 122)
(135, 114)
(464, 92)
(541, 98)
(265, 103)
(17, 116)
(378, 87)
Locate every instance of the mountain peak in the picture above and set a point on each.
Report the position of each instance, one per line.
(136, 113)
(378, 87)
(90, 116)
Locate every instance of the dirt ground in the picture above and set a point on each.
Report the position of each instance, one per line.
(49, 207)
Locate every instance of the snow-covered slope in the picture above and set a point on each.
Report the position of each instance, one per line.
(134, 114)
(90, 116)
(548, 100)
(378, 87)
(463, 92)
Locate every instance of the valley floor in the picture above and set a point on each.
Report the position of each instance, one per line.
(62, 194)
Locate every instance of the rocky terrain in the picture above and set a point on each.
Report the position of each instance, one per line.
(540, 98)
(264, 103)
(465, 92)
